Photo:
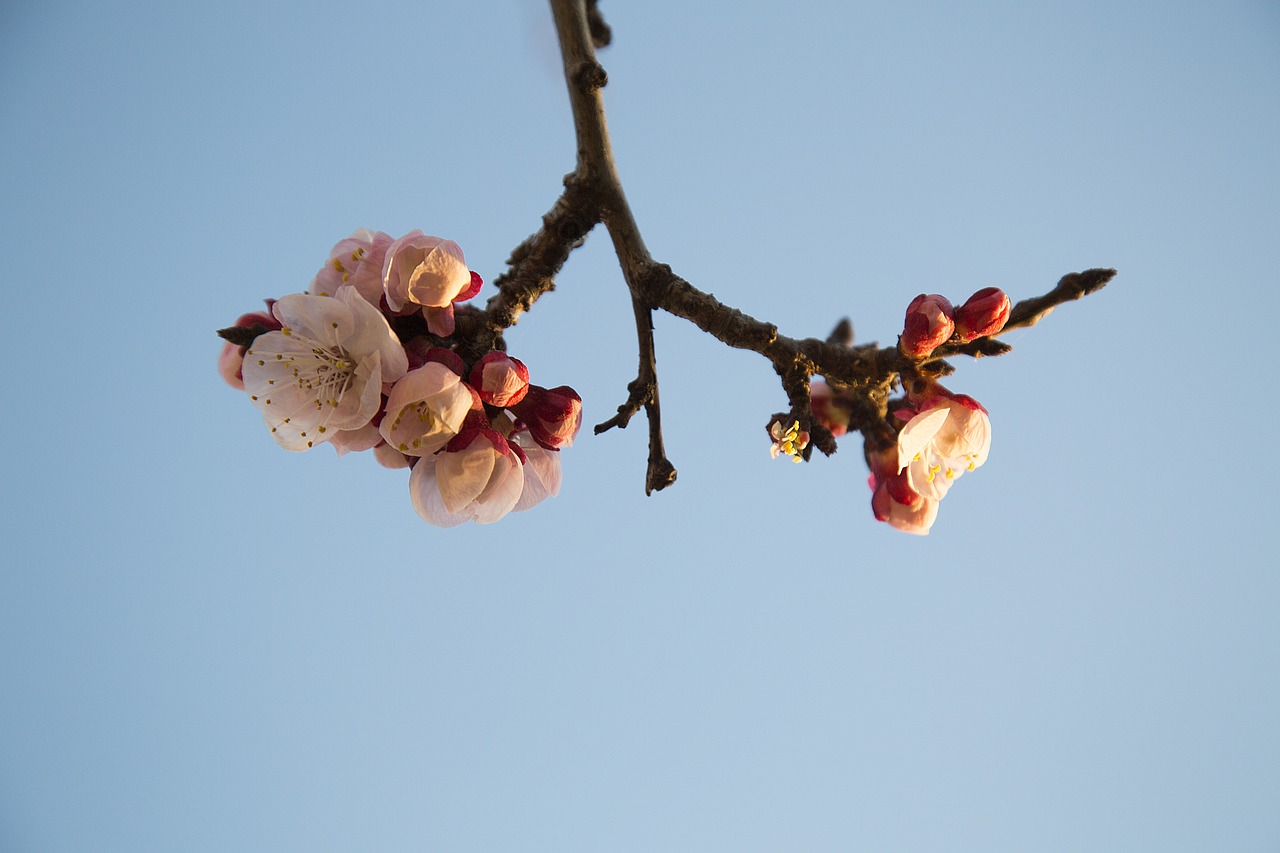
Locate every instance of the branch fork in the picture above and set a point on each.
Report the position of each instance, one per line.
(593, 195)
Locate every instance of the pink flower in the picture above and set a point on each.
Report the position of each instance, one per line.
(323, 370)
(553, 416)
(894, 501)
(946, 436)
(927, 326)
(356, 262)
(984, 314)
(425, 410)
(423, 270)
(500, 379)
(477, 478)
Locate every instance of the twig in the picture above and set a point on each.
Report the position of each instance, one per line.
(868, 373)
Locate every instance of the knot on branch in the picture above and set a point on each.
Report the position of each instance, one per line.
(660, 475)
(590, 75)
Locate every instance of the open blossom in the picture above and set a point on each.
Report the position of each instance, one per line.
(478, 477)
(323, 370)
(329, 366)
(355, 262)
(788, 442)
(425, 410)
(946, 436)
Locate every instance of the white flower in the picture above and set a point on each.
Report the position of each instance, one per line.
(480, 481)
(323, 371)
(947, 437)
(788, 442)
(425, 410)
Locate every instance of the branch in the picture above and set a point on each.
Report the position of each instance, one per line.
(1070, 287)
(534, 264)
(867, 372)
(584, 78)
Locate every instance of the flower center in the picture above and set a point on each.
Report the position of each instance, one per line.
(325, 373)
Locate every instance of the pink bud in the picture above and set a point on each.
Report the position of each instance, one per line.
(424, 270)
(500, 379)
(553, 416)
(928, 325)
(420, 351)
(984, 314)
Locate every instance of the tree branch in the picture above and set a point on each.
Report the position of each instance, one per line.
(594, 194)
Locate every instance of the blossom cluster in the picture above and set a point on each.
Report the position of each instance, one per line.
(368, 359)
(940, 435)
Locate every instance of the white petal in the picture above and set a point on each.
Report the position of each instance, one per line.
(424, 491)
(372, 333)
(503, 491)
(463, 476)
(918, 432)
(542, 475)
(320, 318)
(930, 483)
(355, 440)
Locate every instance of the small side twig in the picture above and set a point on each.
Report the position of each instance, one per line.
(1071, 286)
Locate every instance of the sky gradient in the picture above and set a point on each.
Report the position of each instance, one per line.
(209, 644)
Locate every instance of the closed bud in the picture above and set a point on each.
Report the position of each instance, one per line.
(552, 415)
(500, 379)
(984, 314)
(928, 325)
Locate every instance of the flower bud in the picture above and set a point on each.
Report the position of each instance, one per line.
(424, 270)
(500, 379)
(984, 314)
(420, 351)
(553, 416)
(928, 325)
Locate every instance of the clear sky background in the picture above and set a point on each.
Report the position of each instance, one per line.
(209, 644)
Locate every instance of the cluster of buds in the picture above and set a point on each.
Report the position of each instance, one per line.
(328, 365)
(942, 436)
(931, 321)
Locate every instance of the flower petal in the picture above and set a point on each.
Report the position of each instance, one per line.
(918, 433)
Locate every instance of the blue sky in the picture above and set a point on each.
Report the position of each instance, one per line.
(207, 643)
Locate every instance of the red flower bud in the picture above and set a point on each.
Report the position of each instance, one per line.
(984, 314)
(553, 416)
(500, 379)
(928, 325)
